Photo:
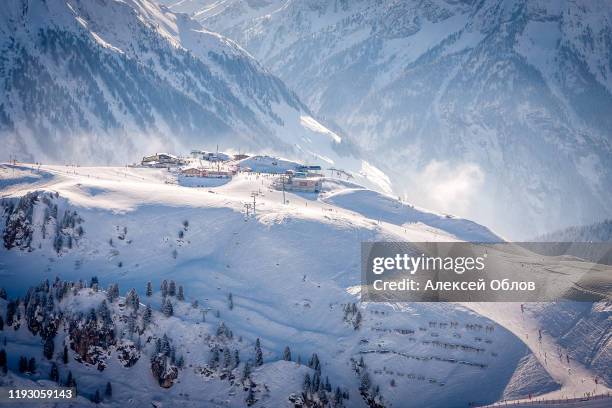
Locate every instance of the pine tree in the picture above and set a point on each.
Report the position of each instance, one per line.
(132, 300)
(250, 399)
(316, 382)
(181, 295)
(149, 291)
(230, 301)
(227, 358)
(3, 361)
(23, 364)
(258, 353)
(337, 397)
(65, 355)
(113, 292)
(146, 316)
(236, 358)
(1, 323)
(357, 322)
(54, 375)
(306, 384)
(70, 380)
(246, 371)
(287, 354)
(164, 288)
(96, 398)
(214, 358)
(365, 383)
(109, 390)
(167, 308)
(32, 365)
(172, 288)
(48, 348)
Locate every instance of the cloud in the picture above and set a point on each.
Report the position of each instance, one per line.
(449, 188)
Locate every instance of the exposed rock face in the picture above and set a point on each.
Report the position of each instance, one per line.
(127, 354)
(91, 341)
(18, 229)
(40, 216)
(163, 370)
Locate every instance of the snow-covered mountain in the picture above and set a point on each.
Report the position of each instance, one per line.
(286, 276)
(503, 105)
(108, 81)
(597, 232)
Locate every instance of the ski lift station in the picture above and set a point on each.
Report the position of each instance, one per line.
(298, 181)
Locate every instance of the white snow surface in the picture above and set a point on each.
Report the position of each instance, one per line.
(290, 269)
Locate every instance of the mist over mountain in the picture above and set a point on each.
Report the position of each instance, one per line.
(108, 81)
(497, 110)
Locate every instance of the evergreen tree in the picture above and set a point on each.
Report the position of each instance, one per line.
(167, 308)
(181, 295)
(1, 323)
(23, 364)
(3, 361)
(250, 399)
(246, 371)
(164, 288)
(230, 301)
(365, 383)
(287, 354)
(48, 348)
(316, 382)
(3, 294)
(214, 358)
(227, 358)
(149, 291)
(357, 322)
(109, 390)
(236, 358)
(172, 288)
(146, 316)
(70, 380)
(337, 397)
(258, 353)
(54, 375)
(132, 300)
(96, 398)
(32, 365)
(314, 363)
(65, 355)
(306, 385)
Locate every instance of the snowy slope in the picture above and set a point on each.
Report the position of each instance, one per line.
(291, 270)
(110, 81)
(503, 105)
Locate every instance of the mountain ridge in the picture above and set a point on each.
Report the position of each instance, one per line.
(504, 101)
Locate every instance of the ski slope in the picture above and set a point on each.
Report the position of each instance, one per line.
(291, 267)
